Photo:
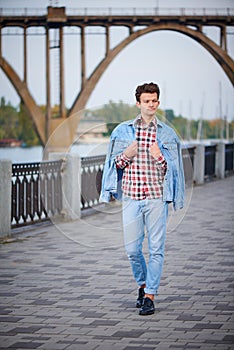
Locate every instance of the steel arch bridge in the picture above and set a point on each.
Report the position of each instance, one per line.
(189, 22)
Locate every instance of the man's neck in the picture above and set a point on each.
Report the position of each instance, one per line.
(147, 119)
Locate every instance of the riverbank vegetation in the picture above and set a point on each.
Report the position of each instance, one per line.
(113, 113)
(16, 124)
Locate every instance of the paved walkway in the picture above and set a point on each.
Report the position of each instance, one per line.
(69, 286)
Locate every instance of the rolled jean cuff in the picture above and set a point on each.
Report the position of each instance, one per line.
(150, 291)
(140, 284)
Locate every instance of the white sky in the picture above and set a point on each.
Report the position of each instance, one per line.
(191, 81)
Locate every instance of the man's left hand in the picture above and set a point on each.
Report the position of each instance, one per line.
(155, 150)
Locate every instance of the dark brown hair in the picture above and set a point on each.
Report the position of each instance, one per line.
(148, 88)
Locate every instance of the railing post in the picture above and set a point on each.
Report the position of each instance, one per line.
(220, 160)
(199, 164)
(5, 195)
(71, 185)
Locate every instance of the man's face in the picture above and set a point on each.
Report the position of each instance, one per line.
(148, 103)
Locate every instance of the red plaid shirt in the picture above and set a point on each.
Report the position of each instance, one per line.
(143, 175)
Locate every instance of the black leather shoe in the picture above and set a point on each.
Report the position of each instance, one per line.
(147, 307)
(140, 299)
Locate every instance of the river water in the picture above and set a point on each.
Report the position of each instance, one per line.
(35, 154)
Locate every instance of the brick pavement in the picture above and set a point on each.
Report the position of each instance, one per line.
(69, 285)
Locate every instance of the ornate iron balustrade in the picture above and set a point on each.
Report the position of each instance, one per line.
(36, 192)
(91, 179)
(37, 187)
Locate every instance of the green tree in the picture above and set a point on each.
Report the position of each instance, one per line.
(231, 129)
(193, 129)
(16, 124)
(8, 120)
(169, 114)
(116, 112)
(180, 125)
(27, 131)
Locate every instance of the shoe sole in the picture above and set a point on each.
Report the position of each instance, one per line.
(146, 313)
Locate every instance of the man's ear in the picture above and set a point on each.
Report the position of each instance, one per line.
(138, 104)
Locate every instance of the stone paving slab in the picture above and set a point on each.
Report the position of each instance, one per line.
(69, 285)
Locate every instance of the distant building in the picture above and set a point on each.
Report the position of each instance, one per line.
(90, 128)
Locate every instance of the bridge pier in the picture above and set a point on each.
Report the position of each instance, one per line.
(223, 38)
(25, 55)
(48, 94)
(61, 71)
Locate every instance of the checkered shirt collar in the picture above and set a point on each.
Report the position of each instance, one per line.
(138, 121)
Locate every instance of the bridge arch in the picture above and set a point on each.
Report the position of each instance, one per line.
(45, 127)
(216, 51)
(29, 102)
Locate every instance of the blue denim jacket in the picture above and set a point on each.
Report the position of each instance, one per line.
(122, 136)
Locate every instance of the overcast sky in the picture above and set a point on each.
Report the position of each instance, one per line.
(191, 81)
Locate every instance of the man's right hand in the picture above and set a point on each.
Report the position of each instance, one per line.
(131, 150)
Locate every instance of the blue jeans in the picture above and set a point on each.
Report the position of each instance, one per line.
(138, 215)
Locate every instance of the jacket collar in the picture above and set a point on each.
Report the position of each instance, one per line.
(132, 121)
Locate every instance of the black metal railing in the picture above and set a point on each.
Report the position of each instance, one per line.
(37, 187)
(210, 162)
(91, 178)
(229, 158)
(36, 192)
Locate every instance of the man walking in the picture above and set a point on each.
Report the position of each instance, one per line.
(144, 169)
